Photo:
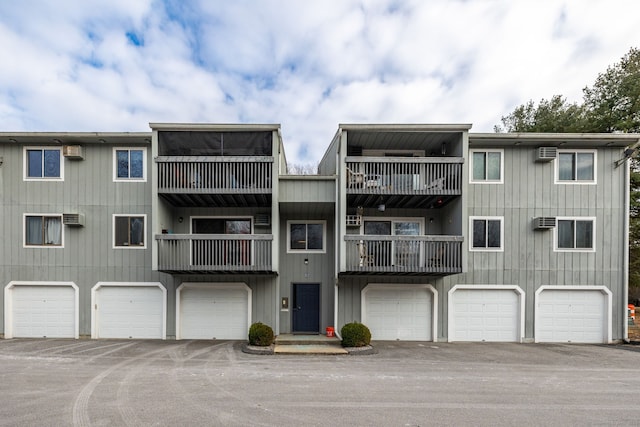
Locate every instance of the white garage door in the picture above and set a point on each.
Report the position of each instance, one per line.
(214, 312)
(129, 312)
(43, 311)
(485, 315)
(398, 313)
(577, 316)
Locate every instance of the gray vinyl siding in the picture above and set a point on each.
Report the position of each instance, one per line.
(88, 256)
(307, 188)
(529, 260)
(320, 269)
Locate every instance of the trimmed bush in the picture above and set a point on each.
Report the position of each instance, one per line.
(355, 335)
(260, 335)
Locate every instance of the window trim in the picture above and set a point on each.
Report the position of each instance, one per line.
(486, 218)
(556, 177)
(486, 181)
(25, 164)
(115, 164)
(24, 231)
(575, 250)
(307, 251)
(144, 231)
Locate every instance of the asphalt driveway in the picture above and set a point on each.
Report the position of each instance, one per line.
(168, 383)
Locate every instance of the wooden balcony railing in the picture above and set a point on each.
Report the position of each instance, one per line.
(215, 252)
(404, 254)
(219, 175)
(402, 175)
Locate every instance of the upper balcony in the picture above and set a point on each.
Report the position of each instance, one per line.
(216, 165)
(408, 182)
(215, 181)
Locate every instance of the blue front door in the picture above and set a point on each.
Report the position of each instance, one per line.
(306, 308)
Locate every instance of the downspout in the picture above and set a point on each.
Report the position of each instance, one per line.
(625, 267)
(338, 237)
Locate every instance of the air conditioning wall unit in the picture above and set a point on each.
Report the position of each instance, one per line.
(262, 220)
(73, 152)
(546, 154)
(544, 223)
(73, 219)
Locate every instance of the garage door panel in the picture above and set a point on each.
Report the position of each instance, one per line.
(43, 311)
(571, 316)
(214, 313)
(130, 312)
(485, 315)
(399, 314)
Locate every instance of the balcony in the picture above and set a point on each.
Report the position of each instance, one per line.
(411, 182)
(215, 253)
(215, 181)
(411, 255)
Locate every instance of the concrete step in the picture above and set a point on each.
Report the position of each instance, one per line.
(308, 344)
(326, 349)
(291, 339)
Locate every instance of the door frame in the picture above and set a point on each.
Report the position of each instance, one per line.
(293, 306)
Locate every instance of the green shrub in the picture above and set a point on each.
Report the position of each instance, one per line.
(355, 335)
(260, 335)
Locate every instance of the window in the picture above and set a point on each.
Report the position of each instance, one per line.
(43, 230)
(308, 236)
(576, 167)
(575, 234)
(486, 166)
(129, 164)
(487, 233)
(129, 231)
(43, 164)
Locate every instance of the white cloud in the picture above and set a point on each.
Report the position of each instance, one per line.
(117, 65)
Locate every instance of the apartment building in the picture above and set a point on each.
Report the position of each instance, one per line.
(422, 232)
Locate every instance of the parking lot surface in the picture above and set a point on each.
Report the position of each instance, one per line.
(167, 383)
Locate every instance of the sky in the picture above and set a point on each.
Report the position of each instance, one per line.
(308, 65)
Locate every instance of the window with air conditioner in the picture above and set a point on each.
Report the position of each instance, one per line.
(43, 164)
(575, 234)
(43, 230)
(576, 167)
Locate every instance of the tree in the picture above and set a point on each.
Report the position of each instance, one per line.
(612, 104)
(554, 115)
(302, 169)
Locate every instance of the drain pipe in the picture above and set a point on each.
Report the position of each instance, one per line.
(625, 267)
